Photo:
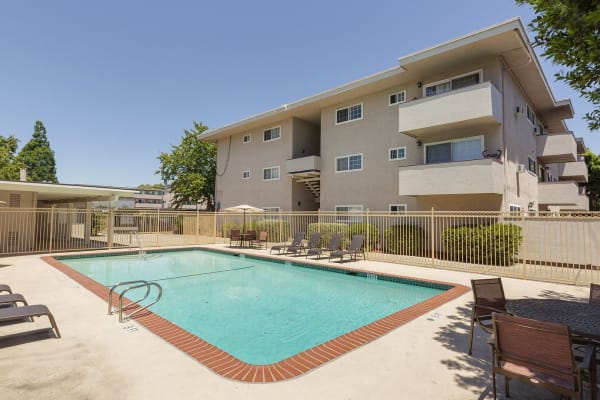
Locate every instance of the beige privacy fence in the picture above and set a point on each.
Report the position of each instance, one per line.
(555, 247)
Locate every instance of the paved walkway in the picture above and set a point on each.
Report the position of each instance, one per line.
(98, 358)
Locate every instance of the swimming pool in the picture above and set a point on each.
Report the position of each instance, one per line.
(261, 311)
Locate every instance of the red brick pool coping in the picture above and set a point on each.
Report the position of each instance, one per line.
(230, 367)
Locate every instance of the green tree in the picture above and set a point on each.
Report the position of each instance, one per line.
(190, 169)
(9, 168)
(150, 186)
(38, 157)
(593, 165)
(569, 32)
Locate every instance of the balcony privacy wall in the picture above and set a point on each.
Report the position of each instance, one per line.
(556, 247)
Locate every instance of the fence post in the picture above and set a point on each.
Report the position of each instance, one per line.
(367, 234)
(523, 243)
(158, 227)
(109, 226)
(280, 225)
(432, 235)
(197, 225)
(51, 227)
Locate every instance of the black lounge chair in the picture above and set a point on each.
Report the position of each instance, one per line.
(333, 245)
(18, 313)
(355, 247)
(298, 238)
(313, 242)
(13, 299)
(5, 288)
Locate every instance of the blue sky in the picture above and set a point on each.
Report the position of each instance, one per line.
(116, 82)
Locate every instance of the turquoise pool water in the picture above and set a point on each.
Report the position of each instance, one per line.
(257, 310)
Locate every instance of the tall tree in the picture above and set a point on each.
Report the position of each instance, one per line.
(569, 32)
(593, 165)
(190, 169)
(9, 168)
(38, 157)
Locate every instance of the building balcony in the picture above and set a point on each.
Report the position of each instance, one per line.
(301, 165)
(485, 176)
(558, 194)
(471, 106)
(556, 148)
(583, 204)
(573, 171)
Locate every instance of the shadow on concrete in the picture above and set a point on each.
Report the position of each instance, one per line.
(473, 372)
(17, 339)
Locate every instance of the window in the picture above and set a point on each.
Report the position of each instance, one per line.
(396, 98)
(397, 153)
(14, 200)
(245, 174)
(349, 209)
(270, 174)
(348, 163)
(271, 209)
(398, 208)
(540, 129)
(247, 139)
(348, 114)
(530, 114)
(532, 165)
(514, 209)
(272, 134)
(455, 150)
(447, 85)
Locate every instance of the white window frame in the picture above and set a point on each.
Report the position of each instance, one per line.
(244, 174)
(270, 129)
(403, 206)
(362, 114)
(249, 136)
(477, 71)
(403, 92)
(397, 158)
(362, 163)
(530, 112)
(278, 173)
(480, 137)
(272, 209)
(514, 209)
(348, 217)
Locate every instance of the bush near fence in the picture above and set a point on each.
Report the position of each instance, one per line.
(328, 230)
(406, 239)
(492, 244)
(367, 230)
(275, 229)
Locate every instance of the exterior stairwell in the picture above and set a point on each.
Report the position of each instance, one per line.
(306, 170)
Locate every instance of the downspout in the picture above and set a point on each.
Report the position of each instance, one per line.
(505, 152)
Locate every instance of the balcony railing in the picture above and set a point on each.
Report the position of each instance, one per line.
(558, 193)
(556, 148)
(573, 171)
(484, 176)
(303, 164)
(474, 105)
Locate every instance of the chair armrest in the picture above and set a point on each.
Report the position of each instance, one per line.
(589, 357)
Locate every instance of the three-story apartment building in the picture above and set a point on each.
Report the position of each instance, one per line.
(470, 124)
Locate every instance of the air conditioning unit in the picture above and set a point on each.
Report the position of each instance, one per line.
(521, 168)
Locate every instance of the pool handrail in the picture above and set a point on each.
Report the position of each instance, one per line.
(112, 289)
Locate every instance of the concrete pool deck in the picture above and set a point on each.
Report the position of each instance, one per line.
(99, 358)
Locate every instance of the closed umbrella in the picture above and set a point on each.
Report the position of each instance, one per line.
(243, 208)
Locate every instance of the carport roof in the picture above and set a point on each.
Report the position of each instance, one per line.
(67, 193)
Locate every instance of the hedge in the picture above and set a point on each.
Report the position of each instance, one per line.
(492, 244)
(406, 239)
(273, 227)
(327, 231)
(365, 229)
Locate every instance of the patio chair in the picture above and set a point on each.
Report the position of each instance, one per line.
(5, 288)
(262, 238)
(354, 248)
(594, 294)
(298, 238)
(18, 313)
(12, 299)
(488, 297)
(249, 237)
(235, 236)
(333, 245)
(313, 242)
(539, 353)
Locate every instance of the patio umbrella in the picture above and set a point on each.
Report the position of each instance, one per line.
(243, 208)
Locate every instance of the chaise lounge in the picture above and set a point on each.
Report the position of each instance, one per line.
(298, 238)
(17, 313)
(355, 247)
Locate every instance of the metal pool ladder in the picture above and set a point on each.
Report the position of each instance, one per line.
(133, 285)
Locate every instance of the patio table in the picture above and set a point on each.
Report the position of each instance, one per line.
(582, 319)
